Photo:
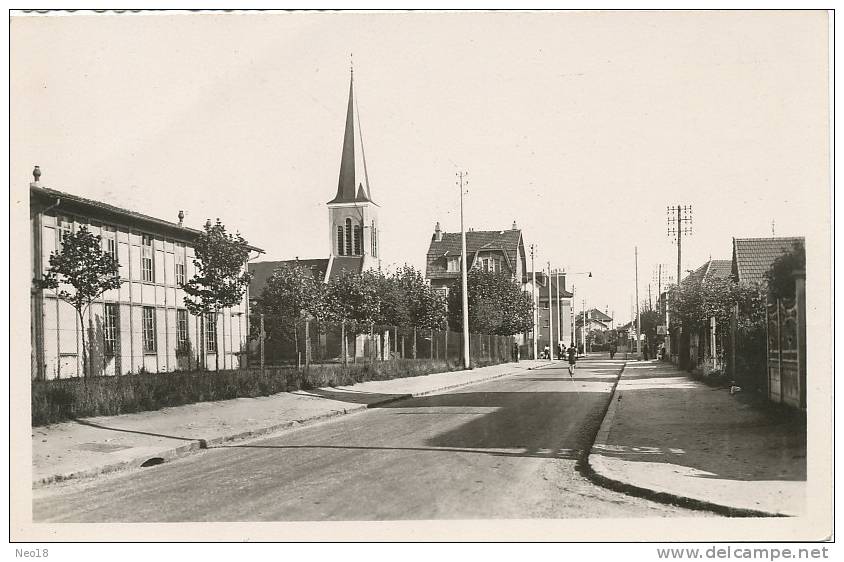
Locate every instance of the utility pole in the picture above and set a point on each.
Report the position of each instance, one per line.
(679, 223)
(583, 324)
(533, 300)
(461, 175)
(550, 318)
(572, 313)
(638, 320)
(559, 315)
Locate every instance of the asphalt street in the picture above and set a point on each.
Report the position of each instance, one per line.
(504, 449)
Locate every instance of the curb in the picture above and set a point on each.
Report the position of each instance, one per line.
(596, 471)
(197, 445)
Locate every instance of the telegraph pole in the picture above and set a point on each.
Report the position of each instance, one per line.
(533, 300)
(638, 320)
(679, 218)
(461, 175)
(559, 315)
(550, 317)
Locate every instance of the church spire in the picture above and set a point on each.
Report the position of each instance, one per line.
(353, 185)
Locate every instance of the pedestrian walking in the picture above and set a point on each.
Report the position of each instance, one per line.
(546, 352)
(613, 349)
(572, 360)
(561, 349)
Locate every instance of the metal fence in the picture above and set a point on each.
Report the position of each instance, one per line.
(276, 341)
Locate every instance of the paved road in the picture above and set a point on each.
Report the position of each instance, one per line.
(503, 449)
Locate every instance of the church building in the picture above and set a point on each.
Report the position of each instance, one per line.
(352, 216)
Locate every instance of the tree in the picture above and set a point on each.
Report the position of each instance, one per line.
(290, 295)
(497, 305)
(780, 276)
(221, 278)
(78, 274)
(648, 321)
(425, 307)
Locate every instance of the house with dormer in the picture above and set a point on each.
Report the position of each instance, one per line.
(499, 251)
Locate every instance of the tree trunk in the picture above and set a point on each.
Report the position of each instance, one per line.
(217, 350)
(84, 344)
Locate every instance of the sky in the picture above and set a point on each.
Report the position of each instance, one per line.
(580, 126)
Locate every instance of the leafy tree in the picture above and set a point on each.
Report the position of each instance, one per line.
(78, 274)
(780, 277)
(648, 321)
(425, 307)
(354, 299)
(290, 295)
(497, 305)
(221, 278)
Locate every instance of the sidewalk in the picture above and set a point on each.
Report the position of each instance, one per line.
(669, 437)
(92, 446)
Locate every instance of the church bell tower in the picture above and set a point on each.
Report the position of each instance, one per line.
(353, 215)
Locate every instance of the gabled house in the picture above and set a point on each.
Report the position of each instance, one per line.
(501, 251)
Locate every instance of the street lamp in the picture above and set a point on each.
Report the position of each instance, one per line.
(583, 308)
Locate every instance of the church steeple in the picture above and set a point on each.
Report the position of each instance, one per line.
(353, 185)
(353, 215)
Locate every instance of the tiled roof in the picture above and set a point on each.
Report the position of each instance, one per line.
(718, 269)
(341, 264)
(507, 241)
(595, 314)
(753, 257)
(262, 270)
(74, 203)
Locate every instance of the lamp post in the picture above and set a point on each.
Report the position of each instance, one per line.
(583, 311)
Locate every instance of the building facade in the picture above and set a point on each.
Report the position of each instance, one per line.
(556, 307)
(141, 327)
(499, 251)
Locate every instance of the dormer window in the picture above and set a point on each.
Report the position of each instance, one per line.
(453, 264)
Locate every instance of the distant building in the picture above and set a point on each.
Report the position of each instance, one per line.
(501, 251)
(561, 313)
(143, 325)
(353, 237)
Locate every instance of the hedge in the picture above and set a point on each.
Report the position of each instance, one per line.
(59, 400)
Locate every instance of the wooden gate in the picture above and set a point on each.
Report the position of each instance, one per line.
(786, 352)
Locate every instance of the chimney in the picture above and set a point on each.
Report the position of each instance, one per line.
(438, 234)
(181, 217)
(36, 173)
(514, 226)
(207, 223)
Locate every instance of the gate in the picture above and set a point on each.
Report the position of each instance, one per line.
(786, 352)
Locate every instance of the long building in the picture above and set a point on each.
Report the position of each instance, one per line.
(141, 327)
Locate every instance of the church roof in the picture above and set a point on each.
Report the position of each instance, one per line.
(353, 184)
(262, 270)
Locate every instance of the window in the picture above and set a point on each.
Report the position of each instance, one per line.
(372, 238)
(182, 328)
(109, 237)
(211, 332)
(348, 237)
(375, 240)
(147, 268)
(180, 266)
(65, 228)
(340, 244)
(358, 240)
(148, 327)
(453, 264)
(110, 329)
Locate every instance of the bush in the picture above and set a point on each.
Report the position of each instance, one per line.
(59, 400)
